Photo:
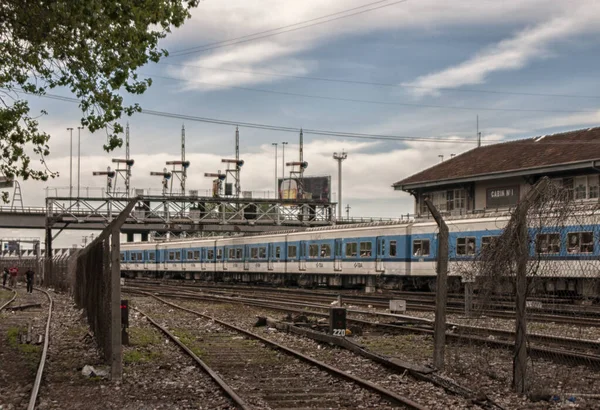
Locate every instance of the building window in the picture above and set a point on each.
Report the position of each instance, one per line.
(392, 248)
(421, 247)
(568, 185)
(313, 251)
(465, 246)
(584, 187)
(548, 243)
(292, 251)
(365, 249)
(445, 201)
(580, 242)
(351, 249)
(325, 251)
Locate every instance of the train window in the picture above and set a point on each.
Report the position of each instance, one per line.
(262, 252)
(196, 255)
(190, 255)
(313, 251)
(231, 253)
(219, 253)
(278, 252)
(254, 253)
(122, 256)
(351, 249)
(393, 248)
(151, 256)
(365, 249)
(421, 247)
(210, 254)
(133, 256)
(325, 251)
(580, 242)
(292, 251)
(465, 246)
(171, 256)
(140, 257)
(548, 243)
(487, 241)
(238, 253)
(178, 255)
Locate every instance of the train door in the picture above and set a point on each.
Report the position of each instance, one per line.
(337, 258)
(302, 256)
(271, 255)
(146, 253)
(246, 257)
(165, 259)
(225, 257)
(379, 265)
(203, 258)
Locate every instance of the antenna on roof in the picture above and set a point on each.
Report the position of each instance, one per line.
(478, 133)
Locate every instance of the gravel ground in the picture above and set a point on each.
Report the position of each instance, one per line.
(264, 377)
(484, 370)
(157, 375)
(19, 362)
(421, 392)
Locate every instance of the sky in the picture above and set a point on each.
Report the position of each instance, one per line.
(415, 68)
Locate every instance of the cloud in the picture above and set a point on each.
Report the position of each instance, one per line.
(512, 53)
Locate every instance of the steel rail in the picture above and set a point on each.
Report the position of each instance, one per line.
(222, 384)
(332, 370)
(38, 378)
(10, 301)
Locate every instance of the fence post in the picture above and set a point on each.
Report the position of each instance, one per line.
(439, 329)
(115, 284)
(468, 297)
(522, 254)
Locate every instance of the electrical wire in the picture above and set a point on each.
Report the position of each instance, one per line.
(355, 100)
(271, 33)
(338, 80)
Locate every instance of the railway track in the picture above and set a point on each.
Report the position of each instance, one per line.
(21, 320)
(258, 373)
(555, 348)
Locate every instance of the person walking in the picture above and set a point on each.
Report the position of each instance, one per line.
(4, 276)
(13, 276)
(29, 278)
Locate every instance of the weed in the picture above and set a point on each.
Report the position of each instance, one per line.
(143, 337)
(140, 356)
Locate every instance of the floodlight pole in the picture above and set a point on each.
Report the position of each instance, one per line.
(339, 157)
(70, 164)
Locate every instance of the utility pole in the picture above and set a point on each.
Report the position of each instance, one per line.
(275, 144)
(339, 158)
(78, 162)
(71, 164)
(478, 134)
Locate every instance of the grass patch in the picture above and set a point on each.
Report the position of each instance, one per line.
(12, 336)
(143, 336)
(190, 341)
(139, 356)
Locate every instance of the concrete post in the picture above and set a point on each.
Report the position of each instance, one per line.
(115, 301)
(439, 329)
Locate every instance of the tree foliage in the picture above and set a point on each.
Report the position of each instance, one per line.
(90, 47)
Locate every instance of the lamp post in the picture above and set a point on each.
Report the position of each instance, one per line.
(283, 144)
(70, 164)
(78, 162)
(275, 145)
(339, 157)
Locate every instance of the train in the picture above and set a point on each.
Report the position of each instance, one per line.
(379, 255)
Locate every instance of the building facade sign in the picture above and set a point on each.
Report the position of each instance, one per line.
(502, 196)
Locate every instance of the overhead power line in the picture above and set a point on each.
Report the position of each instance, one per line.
(330, 133)
(343, 81)
(355, 100)
(285, 29)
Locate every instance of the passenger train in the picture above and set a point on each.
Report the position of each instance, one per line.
(369, 255)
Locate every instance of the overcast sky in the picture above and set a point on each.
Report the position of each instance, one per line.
(439, 65)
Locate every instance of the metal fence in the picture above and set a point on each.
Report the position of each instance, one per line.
(97, 290)
(528, 316)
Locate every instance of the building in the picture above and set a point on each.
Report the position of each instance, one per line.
(495, 177)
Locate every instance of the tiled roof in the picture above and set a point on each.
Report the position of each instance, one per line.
(531, 153)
